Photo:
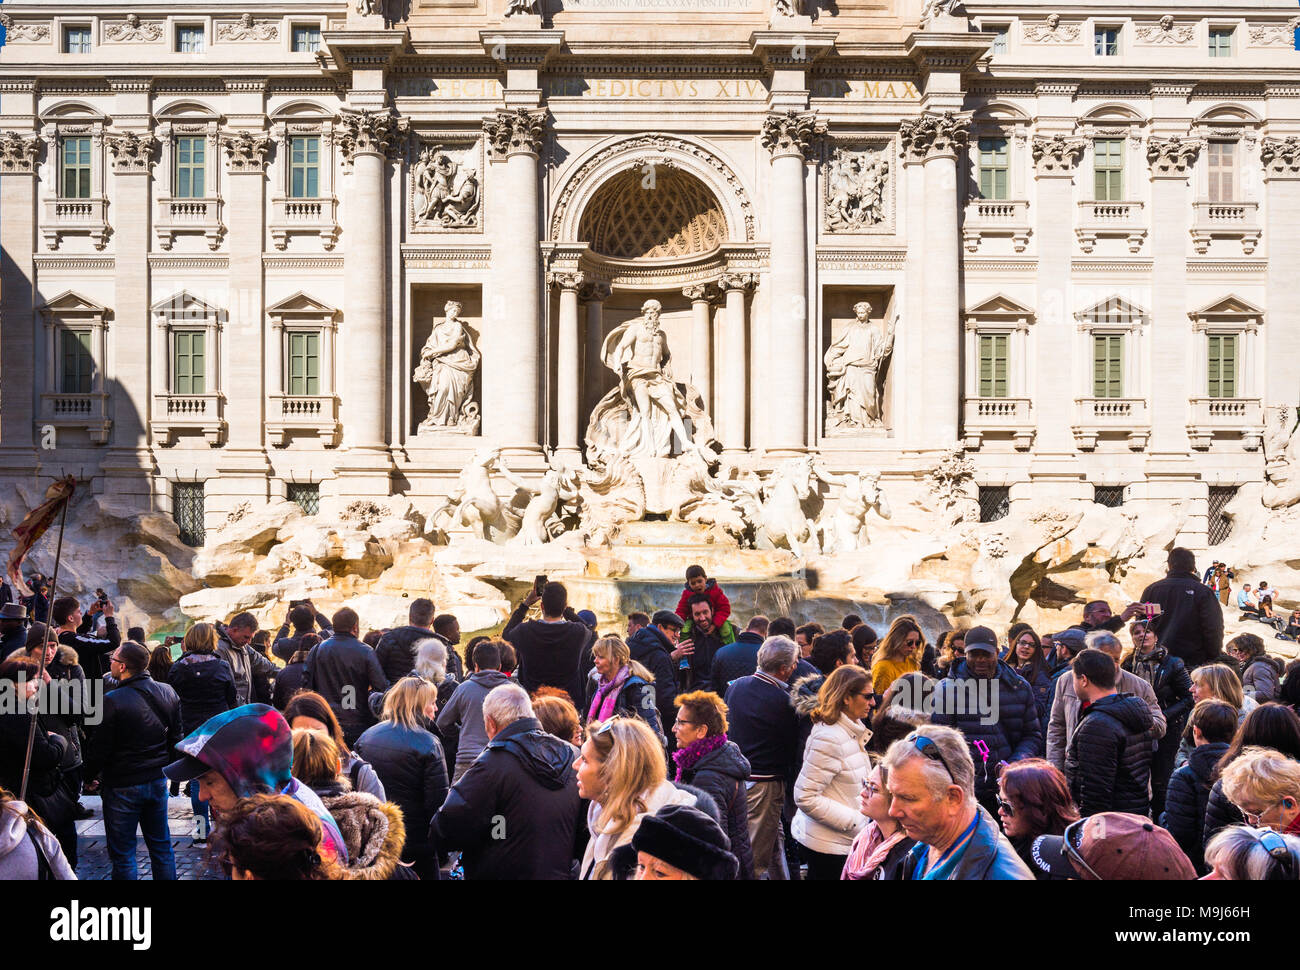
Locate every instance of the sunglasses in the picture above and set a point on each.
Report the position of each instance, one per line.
(1006, 808)
(1073, 853)
(931, 750)
(1281, 854)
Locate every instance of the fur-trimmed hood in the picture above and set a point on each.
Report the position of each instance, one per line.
(373, 832)
(66, 655)
(803, 693)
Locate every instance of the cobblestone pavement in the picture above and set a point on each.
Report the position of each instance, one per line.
(92, 851)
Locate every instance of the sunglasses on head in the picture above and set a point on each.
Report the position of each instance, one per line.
(931, 750)
(1281, 854)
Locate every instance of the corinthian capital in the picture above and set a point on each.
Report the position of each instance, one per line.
(246, 150)
(791, 133)
(934, 135)
(1057, 154)
(1280, 157)
(18, 153)
(512, 132)
(1169, 157)
(365, 132)
(737, 281)
(132, 152)
(572, 280)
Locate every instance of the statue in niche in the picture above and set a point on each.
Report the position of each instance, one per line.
(445, 189)
(475, 504)
(856, 190)
(446, 372)
(541, 519)
(639, 417)
(847, 529)
(855, 371)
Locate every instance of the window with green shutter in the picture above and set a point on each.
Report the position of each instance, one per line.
(191, 161)
(304, 363)
(78, 363)
(75, 162)
(189, 364)
(304, 167)
(1108, 169)
(993, 364)
(1108, 365)
(993, 168)
(1221, 359)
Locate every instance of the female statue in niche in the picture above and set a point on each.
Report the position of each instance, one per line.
(446, 372)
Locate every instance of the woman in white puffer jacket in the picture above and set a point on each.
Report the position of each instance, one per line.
(835, 764)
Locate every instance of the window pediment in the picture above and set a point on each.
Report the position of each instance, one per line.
(1112, 313)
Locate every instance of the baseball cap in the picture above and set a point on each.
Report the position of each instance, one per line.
(1112, 846)
(587, 617)
(1072, 637)
(667, 618)
(981, 638)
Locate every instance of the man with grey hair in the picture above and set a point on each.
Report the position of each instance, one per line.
(932, 790)
(1066, 706)
(515, 811)
(762, 722)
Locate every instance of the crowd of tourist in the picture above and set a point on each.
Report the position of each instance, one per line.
(690, 744)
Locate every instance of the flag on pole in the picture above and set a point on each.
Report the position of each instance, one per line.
(29, 530)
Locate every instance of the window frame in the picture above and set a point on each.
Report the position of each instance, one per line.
(294, 28)
(182, 25)
(1099, 29)
(1217, 30)
(189, 337)
(178, 165)
(66, 38)
(993, 336)
(1233, 380)
(1121, 153)
(1101, 386)
(306, 167)
(1005, 169)
(85, 349)
(88, 168)
(182, 312)
(1213, 188)
(1114, 315)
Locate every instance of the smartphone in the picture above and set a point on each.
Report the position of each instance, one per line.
(1151, 609)
(539, 583)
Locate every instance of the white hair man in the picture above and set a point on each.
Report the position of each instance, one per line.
(932, 788)
(515, 809)
(764, 725)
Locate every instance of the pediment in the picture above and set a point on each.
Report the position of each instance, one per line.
(1231, 305)
(184, 302)
(300, 302)
(1000, 305)
(1113, 309)
(70, 301)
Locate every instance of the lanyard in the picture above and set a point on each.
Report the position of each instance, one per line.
(919, 871)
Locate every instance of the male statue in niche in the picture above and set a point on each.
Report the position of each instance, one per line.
(855, 366)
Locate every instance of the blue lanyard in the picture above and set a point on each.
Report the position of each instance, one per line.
(918, 872)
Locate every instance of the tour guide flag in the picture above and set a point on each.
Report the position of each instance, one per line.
(30, 529)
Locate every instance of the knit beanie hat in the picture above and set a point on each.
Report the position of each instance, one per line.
(688, 839)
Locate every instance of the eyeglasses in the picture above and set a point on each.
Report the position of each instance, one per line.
(1006, 807)
(1254, 817)
(931, 750)
(685, 723)
(870, 787)
(1073, 853)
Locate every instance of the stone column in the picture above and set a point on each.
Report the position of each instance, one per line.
(128, 467)
(790, 137)
(1281, 379)
(701, 342)
(734, 392)
(940, 138)
(566, 363)
(18, 394)
(594, 296)
(512, 375)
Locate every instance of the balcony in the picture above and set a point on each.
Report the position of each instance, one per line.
(306, 217)
(174, 216)
(88, 412)
(996, 217)
(1097, 416)
(1231, 416)
(1225, 220)
(67, 216)
(1097, 220)
(1001, 416)
(175, 415)
(296, 414)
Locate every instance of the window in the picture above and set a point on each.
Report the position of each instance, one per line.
(993, 364)
(1222, 157)
(1220, 41)
(76, 40)
(191, 159)
(188, 370)
(187, 511)
(75, 161)
(304, 364)
(999, 38)
(1220, 526)
(306, 497)
(1108, 365)
(1108, 169)
(1106, 41)
(993, 168)
(1221, 364)
(78, 363)
(189, 39)
(304, 166)
(306, 39)
(1111, 496)
(995, 502)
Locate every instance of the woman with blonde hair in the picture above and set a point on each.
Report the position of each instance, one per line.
(879, 849)
(621, 769)
(1216, 682)
(620, 685)
(409, 760)
(899, 653)
(1265, 785)
(835, 763)
(206, 686)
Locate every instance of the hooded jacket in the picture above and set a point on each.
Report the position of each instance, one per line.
(1169, 680)
(1066, 708)
(205, 685)
(717, 599)
(372, 830)
(1186, 799)
(516, 810)
(988, 855)
(1109, 762)
(1190, 623)
(68, 680)
(1261, 677)
(460, 722)
(412, 767)
(550, 653)
(651, 649)
(342, 665)
(45, 793)
(827, 791)
(722, 774)
(18, 859)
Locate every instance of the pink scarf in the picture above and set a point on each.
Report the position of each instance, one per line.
(602, 705)
(869, 852)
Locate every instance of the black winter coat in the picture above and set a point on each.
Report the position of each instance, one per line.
(1043, 686)
(286, 641)
(134, 741)
(651, 649)
(1109, 761)
(341, 668)
(205, 685)
(1220, 813)
(515, 811)
(1186, 798)
(45, 793)
(722, 774)
(1190, 624)
(636, 698)
(289, 682)
(1171, 683)
(397, 648)
(413, 770)
(550, 654)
